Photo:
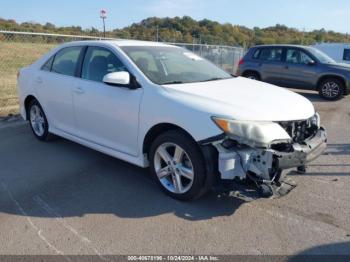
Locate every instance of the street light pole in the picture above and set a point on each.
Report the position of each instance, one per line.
(103, 15)
(104, 28)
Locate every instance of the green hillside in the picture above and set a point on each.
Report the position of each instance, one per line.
(185, 29)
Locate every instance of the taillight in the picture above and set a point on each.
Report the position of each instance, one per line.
(18, 75)
(241, 62)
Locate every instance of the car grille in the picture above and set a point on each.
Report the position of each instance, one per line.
(299, 131)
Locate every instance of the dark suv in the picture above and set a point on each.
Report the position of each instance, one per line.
(298, 67)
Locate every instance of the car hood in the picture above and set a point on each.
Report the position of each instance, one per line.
(341, 66)
(243, 99)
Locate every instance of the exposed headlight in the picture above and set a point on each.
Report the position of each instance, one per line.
(316, 120)
(255, 134)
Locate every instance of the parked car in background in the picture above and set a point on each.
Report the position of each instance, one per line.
(337, 51)
(164, 107)
(298, 67)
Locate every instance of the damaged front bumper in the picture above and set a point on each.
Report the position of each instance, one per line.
(305, 152)
(237, 162)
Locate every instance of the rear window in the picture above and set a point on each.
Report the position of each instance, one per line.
(346, 56)
(269, 54)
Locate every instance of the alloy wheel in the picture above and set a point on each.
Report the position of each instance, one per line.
(37, 120)
(174, 168)
(252, 77)
(330, 89)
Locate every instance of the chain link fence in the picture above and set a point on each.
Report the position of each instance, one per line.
(20, 49)
(226, 57)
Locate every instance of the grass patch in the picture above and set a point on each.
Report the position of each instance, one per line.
(13, 56)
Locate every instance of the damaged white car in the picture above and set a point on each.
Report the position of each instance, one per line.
(164, 107)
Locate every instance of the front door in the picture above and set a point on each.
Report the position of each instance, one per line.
(300, 70)
(106, 115)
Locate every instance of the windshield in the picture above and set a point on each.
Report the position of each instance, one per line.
(322, 57)
(172, 65)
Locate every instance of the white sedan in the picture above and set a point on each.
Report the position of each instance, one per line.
(162, 106)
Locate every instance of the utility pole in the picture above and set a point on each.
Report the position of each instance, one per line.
(193, 42)
(103, 15)
(157, 33)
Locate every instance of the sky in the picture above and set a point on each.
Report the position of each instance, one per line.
(301, 14)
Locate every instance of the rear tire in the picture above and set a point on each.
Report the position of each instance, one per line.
(178, 165)
(252, 75)
(38, 121)
(331, 89)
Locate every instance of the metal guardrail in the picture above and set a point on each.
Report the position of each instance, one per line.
(20, 49)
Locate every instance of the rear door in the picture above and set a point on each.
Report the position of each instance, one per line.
(269, 61)
(56, 81)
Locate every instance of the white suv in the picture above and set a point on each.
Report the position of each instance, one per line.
(164, 107)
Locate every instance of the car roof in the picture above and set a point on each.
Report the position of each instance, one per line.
(280, 45)
(119, 43)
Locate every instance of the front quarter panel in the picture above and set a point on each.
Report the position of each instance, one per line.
(159, 106)
(333, 71)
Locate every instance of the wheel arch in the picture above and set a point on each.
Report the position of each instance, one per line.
(27, 102)
(328, 76)
(158, 129)
(245, 72)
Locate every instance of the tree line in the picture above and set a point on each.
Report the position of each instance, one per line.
(187, 30)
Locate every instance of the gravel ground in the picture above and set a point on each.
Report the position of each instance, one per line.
(62, 198)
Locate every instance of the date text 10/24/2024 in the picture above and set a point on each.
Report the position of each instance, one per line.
(173, 258)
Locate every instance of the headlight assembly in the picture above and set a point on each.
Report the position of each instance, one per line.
(255, 134)
(316, 120)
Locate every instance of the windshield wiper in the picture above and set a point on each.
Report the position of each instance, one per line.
(172, 83)
(213, 79)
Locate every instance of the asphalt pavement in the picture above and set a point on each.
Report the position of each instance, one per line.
(62, 198)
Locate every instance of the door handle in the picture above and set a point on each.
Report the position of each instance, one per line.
(79, 90)
(39, 80)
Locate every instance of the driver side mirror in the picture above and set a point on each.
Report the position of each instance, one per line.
(117, 78)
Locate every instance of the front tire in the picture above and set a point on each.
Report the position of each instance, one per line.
(178, 165)
(38, 121)
(331, 89)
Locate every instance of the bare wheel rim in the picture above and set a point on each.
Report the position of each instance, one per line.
(330, 89)
(174, 168)
(37, 120)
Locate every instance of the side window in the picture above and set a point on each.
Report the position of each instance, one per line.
(47, 66)
(346, 56)
(66, 61)
(295, 56)
(271, 54)
(256, 54)
(99, 62)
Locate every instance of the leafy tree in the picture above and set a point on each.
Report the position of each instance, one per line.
(186, 29)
